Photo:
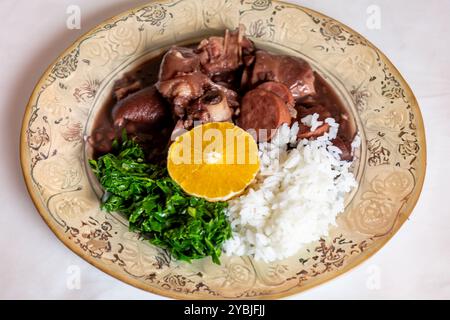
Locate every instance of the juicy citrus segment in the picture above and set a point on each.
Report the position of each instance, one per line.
(216, 161)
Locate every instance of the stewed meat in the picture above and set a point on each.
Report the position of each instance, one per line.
(198, 83)
(186, 91)
(294, 72)
(145, 116)
(229, 79)
(181, 90)
(220, 79)
(264, 112)
(211, 107)
(143, 108)
(224, 54)
(231, 95)
(218, 104)
(178, 61)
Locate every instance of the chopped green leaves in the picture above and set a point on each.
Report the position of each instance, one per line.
(189, 227)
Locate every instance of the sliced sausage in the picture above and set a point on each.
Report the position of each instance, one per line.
(283, 92)
(263, 110)
(144, 107)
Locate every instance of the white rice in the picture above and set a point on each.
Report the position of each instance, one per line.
(296, 196)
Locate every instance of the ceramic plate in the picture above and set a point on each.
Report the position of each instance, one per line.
(390, 166)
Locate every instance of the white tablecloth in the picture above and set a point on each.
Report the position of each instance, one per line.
(414, 264)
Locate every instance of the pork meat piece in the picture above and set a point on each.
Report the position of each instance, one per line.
(178, 61)
(181, 90)
(294, 72)
(224, 54)
(140, 109)
(211, 107)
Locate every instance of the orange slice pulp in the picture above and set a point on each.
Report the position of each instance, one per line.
(215, 161)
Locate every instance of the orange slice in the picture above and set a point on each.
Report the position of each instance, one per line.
(215, 161)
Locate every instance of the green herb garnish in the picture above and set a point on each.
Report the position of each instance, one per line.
(188, 227)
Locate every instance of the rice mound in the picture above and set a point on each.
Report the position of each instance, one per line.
(295, 198)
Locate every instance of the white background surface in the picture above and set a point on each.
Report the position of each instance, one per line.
(414, 264)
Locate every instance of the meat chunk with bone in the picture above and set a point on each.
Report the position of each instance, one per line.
(218, 104)
(195, 97)
(294, 72)
(182, 90)
(224, 54)
(213, 106)
(198, 82)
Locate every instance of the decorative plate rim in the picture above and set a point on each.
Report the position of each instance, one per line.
(171, 294)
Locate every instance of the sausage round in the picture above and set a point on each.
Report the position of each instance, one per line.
(280, 90)
(264, 112)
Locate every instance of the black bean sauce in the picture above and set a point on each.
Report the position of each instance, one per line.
(156, 139)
